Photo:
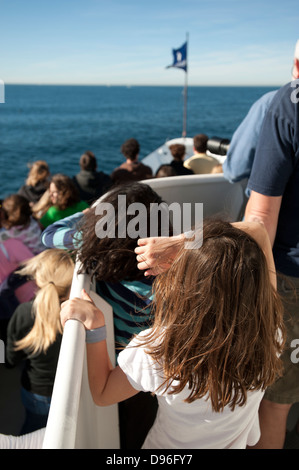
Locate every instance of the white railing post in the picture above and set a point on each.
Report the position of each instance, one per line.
(62, 421)
(74, 420)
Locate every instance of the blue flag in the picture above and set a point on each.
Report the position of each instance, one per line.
(180, 58)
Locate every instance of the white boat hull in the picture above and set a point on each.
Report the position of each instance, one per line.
(162, 155)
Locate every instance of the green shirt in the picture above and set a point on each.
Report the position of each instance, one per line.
(53, 214)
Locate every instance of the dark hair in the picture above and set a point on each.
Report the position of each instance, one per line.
(130, 149)
(200, 142)
(165, 170)
(88, 161)
(220, 319)
(113, 259)
(15, 211)
(68, 193)
(178, 151)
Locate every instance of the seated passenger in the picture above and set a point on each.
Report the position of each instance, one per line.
(14, 289)
(12, 253)
(37, 181)
(131, 169)
(178, 151)
(34, 333)
(200, 162)
(16, 221)
(90, 182)
(65, 200)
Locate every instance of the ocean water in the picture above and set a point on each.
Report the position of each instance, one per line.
(59, 123)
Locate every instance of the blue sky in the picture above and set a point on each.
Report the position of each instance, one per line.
(129, 42)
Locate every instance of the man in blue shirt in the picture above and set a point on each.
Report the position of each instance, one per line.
(274, 200)
(241, 152)
(237, 166)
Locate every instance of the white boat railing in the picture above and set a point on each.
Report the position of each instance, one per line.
(74, 420)
(218, 196)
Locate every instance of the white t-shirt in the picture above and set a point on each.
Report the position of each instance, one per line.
(181, 425)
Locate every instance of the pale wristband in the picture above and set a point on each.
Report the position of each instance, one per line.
(96, 335)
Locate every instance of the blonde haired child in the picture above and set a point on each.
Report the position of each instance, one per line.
(34, 332)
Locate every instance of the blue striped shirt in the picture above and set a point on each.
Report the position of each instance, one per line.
(130, 300)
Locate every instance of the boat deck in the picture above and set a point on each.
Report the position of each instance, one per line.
(12, 411)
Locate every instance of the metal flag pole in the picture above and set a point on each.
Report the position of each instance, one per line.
(180, 61)
(184, 133)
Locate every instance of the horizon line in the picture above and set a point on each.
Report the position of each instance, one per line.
(139, 85)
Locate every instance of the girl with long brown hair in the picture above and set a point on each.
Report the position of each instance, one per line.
(213, 347)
